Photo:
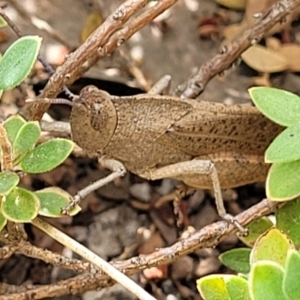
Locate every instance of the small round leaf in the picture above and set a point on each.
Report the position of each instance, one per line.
(265, 281)
(18, 60)
(8, 181)
(280, 106)
(220, 287)
(237, 259)
(26, 138)
(237, 287)
(273, 245)
(47, 156)
(291, 277)
(288, 220)
(52, 200)
(285, 147)
(20, 205)
(255, 229)
(3, 221)
(213, 287)
(282, 182)
(12, 125)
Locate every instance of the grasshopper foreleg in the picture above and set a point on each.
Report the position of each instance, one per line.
(117, 169)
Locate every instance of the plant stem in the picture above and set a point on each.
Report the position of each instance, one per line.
(93, 258)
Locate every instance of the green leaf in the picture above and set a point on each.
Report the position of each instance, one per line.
(237, 259)
(12, 125)
(255, 229)
(213, 287)
(52, 200)
(280, 106)
(47, 156)
(26, 138)
(20, 205)
(2, 22)
(237, 288)
(223, 287)
(3, 221)
(265, 281)
(288, 220)
(285, 147)
(291, 277)
(273, 245)
(282, 182)
(8, 181)
(18, 60)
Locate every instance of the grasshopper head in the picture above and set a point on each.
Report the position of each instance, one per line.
(94, 120)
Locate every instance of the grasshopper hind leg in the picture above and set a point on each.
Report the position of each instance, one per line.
(195, 170)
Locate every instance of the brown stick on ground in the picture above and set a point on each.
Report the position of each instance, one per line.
(227, 55)
(208, 236)
(109, 35)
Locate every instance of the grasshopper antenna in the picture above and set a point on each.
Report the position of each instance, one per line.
(53, 101)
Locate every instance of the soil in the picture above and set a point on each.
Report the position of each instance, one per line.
(114, 218)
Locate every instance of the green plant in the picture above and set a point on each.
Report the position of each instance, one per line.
(18, 60)
(283, 108)
(270, 270)
(19, 151)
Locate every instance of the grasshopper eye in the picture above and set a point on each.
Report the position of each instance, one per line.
(99, 116)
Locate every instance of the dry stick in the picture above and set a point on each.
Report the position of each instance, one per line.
(228, 54)
(131, 65)
(6, 157)
(208, 236)
(67, 72)
(56, 126)
(134, 70)
(100, 43)
(182, 248)
(113, 272)
(135, 25)
(64, 239)
(54, 259)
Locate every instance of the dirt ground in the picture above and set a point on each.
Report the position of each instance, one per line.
(115, 218)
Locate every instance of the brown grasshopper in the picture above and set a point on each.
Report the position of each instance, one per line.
(203, 144)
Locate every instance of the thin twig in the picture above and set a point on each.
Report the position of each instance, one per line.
(113, 272)
(107, 37)
(208, 236)
(6, 157)
(55, 259)
(134, 70)
(229, 54)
